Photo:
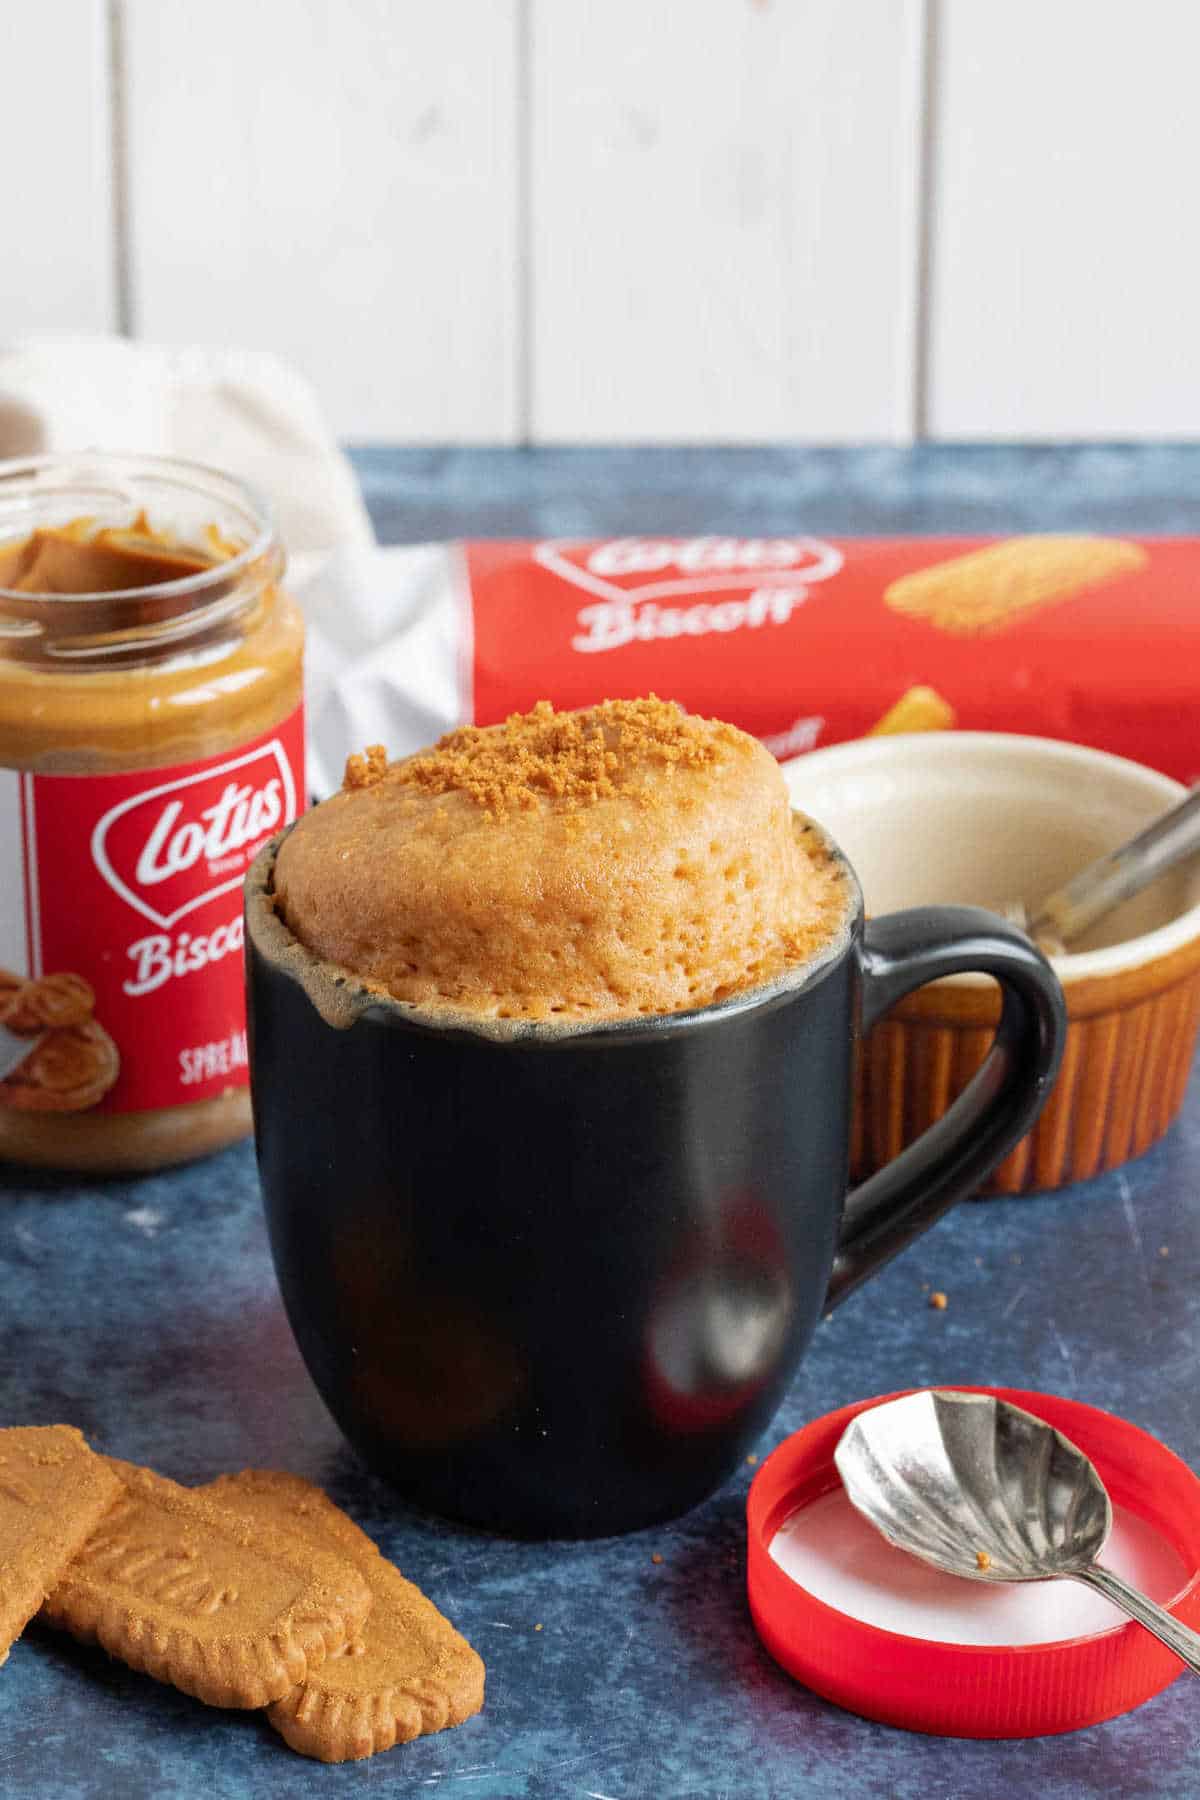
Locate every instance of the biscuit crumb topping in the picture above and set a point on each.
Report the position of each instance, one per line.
(365, 769)
(576, 757)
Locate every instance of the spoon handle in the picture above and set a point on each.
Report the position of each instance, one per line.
(1122, 873)
(1180, 1638)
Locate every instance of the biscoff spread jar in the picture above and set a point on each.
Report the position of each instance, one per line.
(151, 740)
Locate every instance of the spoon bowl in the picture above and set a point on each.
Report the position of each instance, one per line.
(952, 1477)
(980, 1488)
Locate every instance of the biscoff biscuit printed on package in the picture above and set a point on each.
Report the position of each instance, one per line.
(989, 589)
(803, 641)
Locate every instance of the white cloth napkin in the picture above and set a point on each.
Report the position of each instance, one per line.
(239, 410)
(386, 652)
(388, 656)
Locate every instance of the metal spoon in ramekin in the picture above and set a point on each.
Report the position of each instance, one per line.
(1118, 875)
(979, 1487)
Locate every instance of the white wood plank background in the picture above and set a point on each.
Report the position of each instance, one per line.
(723, 219)
(548, 220)
(1065, 286)
(335, 180)
(58, 269)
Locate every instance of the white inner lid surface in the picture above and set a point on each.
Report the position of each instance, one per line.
(836, 1555)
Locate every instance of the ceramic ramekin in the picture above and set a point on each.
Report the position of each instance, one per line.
(983, 817)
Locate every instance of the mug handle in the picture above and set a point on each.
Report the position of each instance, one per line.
(902, 952)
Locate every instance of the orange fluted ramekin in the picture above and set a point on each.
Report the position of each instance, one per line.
(985, 817)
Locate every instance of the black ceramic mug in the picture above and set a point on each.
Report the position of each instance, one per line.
(555, 1280)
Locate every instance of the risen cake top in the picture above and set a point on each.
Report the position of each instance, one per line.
(629, 858)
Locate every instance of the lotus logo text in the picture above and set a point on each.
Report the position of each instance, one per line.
(242, 815)
(719, 584)
(175, 847)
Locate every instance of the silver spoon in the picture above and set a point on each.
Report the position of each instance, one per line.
(979, 1488)
(1066, 914)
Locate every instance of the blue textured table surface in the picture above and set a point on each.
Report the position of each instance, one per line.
(146, 1312)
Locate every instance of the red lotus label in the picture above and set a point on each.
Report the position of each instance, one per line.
(132, 884)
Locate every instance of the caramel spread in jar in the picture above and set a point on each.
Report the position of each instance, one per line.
(151, 739)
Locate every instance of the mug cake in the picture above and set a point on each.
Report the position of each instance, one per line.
(626, 859)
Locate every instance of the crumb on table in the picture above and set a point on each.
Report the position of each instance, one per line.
(938, 1300)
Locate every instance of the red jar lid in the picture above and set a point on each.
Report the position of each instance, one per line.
(973, 1690)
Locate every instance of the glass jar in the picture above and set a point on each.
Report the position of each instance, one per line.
(151, 740)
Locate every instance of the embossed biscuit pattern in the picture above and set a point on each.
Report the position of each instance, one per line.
(411, 1672)
(204, 1598)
